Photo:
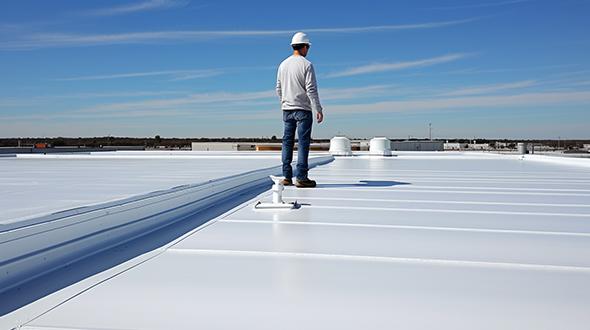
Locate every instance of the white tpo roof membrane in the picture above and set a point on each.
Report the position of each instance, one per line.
(446, 241)
(36, 185)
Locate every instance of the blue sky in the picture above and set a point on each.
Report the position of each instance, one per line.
(188, 68)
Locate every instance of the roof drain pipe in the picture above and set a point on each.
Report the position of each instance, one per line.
(277, 197)
(380, 146)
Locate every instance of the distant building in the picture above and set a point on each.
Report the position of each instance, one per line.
(455, 146)
(222, 146)
(587, 147)
(502, 145)
(479, 146)
(542, 147)
(417, 145)
(363, 145)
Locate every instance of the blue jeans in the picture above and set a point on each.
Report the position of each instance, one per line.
(300, 120)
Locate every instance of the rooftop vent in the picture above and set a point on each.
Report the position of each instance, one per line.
(521, 147)
(340, 146)
(380, 146)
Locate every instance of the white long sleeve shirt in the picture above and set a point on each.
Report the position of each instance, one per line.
(297, 86)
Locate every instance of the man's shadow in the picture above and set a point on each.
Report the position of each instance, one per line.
(363, 183)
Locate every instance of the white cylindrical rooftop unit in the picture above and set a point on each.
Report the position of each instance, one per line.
(340, 146)
(521, 147)
(380, 146)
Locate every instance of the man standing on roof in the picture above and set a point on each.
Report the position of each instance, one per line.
(298, 93)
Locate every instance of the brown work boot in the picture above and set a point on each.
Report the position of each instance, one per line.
(287, 182)
(306, 183)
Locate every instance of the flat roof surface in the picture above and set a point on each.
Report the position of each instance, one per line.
(429, 240)
(33, 185)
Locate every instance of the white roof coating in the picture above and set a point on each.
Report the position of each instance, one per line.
(422, 240)
(33, 185)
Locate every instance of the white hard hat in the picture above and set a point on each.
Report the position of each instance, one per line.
(300, 38)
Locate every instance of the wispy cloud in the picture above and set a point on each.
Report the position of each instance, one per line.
(382, 67)
(7, 27)
(541, 99)
(98, 115)
(224, 98)
(45, 40)
(229, 99)
(171, 74)
(329, 94)
(376, 28)
(44, 100)
(439, 104)
(118, 94)
(481, 5)
(203, 105)
(138, 7)
(485, 89)
(520, 68)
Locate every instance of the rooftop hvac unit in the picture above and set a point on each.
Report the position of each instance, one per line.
(380, 146)
(340, 146)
